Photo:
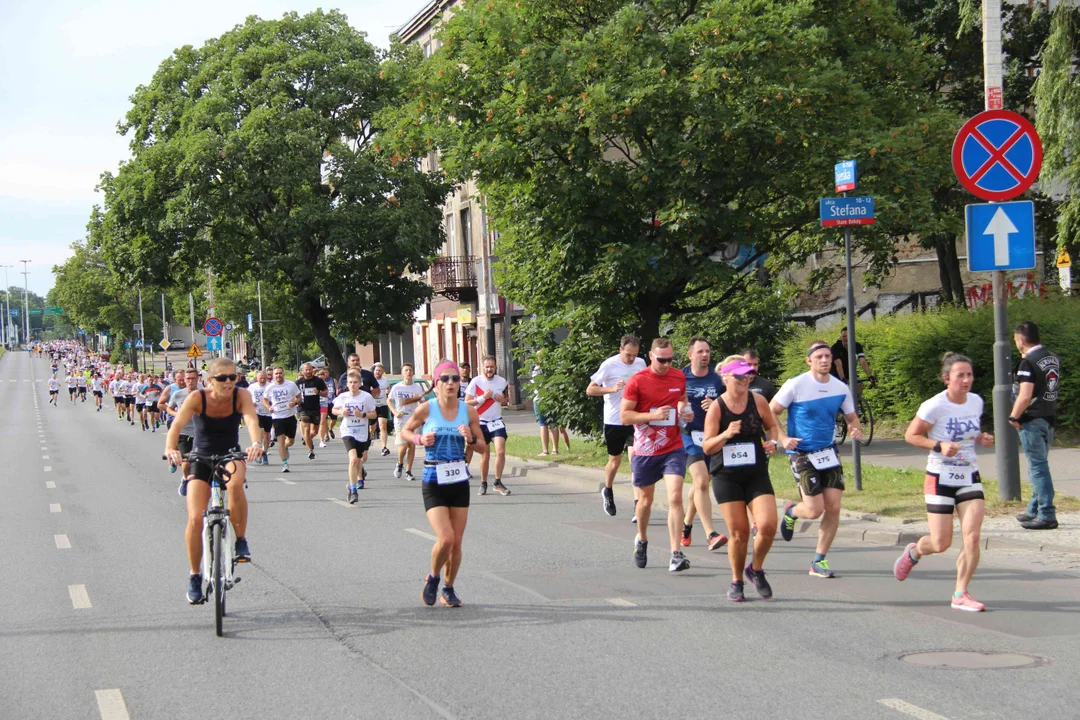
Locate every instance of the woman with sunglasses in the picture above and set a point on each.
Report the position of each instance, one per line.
(216, 414)
(444, 426)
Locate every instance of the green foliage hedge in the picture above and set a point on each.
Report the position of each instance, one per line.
(905, 352)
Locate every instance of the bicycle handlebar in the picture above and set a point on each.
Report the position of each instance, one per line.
(213, 459)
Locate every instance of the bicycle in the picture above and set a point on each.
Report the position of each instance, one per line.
(219, 539)
(866, 419)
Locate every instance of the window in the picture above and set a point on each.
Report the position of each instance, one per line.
(427, 49)
(466, 231)
(450, 247)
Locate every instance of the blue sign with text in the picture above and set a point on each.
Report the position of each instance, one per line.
(844, 176)
(836, 212)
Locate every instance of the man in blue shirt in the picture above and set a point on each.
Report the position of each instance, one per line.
(703, 386)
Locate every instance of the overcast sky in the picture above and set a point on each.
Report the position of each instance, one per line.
(67, 70)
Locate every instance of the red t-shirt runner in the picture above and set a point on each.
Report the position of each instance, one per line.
(650, 391)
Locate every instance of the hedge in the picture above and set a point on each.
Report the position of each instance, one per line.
(905, 352)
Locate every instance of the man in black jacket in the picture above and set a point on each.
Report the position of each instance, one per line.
(1035, 393)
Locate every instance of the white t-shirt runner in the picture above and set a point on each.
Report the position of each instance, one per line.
(498, 386)
(280, 394)
(384, 383)
(354, 426)
(612, 371)
(54, 384)
(257, 391)
(957, 424)
(400, 392)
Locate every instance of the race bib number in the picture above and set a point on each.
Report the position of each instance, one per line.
(451, 472)
(311, 391)
(698, 437)
(738, 454)
(824, 459)
(281, 406)
(955, 476)
(493, 425)
(355, 421)
(669, 422)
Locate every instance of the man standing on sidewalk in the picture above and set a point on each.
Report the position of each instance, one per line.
(1033, 413)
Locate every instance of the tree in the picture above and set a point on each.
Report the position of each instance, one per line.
(255, 155)
(621, 145)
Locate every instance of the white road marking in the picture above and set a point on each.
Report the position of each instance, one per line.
(80, 599)
(513, 584)
(421, 533)
(287, 482)
(621, 603)
(48, 468)
(44, 457)
(339, 502)
(54, 507)
(913, 710)
(50, 485)
(62, 542)
(111, 705)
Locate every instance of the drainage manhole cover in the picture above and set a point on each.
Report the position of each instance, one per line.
(972, 659)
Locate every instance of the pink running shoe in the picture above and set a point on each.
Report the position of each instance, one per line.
(968, 603)
(904, 563)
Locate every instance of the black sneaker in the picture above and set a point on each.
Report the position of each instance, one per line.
(716, 540)
(332, 435)
(500, 488)
(1040, 524)
(678, 562)
(764, 589)
(449, 597)
(311, 455)
(353, 496)
(483, 488)
(641, 550)
(431, 589)
(363, 473)
(608, 496)
(384, 452)
(243, 555)
(735, 592)
(183, 487)
(194, 591)
(409, 476)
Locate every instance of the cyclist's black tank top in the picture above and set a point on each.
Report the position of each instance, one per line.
(750, 433)
(216, 436)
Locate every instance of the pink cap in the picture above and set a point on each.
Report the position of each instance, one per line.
(739, 367)
(448, 365)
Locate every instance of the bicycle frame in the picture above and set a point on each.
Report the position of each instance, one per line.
(218, 514)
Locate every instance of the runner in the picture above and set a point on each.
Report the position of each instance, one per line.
(382, 410)
(54, 390)
(466, 377)
(186, 432)
(152, 393)
(281, 397)
(488, 394)
(130, 386)
(80, 385)
(402, 401)
(812, 401)
(734, 427)
(759, 384)
(72, 382)
(355, 407)
(266, 423)
(949, 426)
(117, 396)
(140, 401)
(97, 384)
(703, 386)
(608, 382)
(444, 426)
(325, 403)
(312, 388)
(653, 402)
(216, 413)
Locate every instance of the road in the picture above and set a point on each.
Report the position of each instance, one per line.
(558, 623)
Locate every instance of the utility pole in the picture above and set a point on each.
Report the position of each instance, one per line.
(7, 313)
(142, 331)
(262, 347)
(210, 314)
(164, 330)
(26, 304)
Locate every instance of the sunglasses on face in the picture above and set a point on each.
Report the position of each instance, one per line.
(223, 378)
(665, 361)
(449, 378)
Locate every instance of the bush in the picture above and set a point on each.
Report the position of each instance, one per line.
(905, 352)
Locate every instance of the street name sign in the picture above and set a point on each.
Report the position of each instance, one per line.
(844, 176)
(1000, 236)
(838, 212)
(997, 155)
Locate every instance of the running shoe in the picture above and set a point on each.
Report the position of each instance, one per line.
(500, 488)
(764, 589)
(608, 496)
(183, 487)
(363, 473)
(273, 442)
(787, 523)
(332, 435)
(966, 602)
(384, 452)
(686, 531)
(483, 488)
(641, 552)
(820, 568)
(904, 563)
(284, 466)
(154, 429)
(449, 597)
(243, 555)
(397, 470)
(322, 444)
(409, 476)
(431, 589)
(360, 484)
(353, 497)
(735, 592)
(311, 455)
(717, 540)
(678, 562)
(194, 591)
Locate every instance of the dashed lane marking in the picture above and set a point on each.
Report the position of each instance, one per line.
(911, 710)
(621, 603)
(111, 705)
(48, 468)
(50, 485)
(62, 542)
(421, 533)
(44, 457)
(340, 502)
(80, 599)
(54, 507)
(287, 482)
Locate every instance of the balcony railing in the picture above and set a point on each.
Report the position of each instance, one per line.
(453, 276)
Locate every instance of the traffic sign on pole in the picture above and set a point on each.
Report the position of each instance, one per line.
(1063, 259)
(844, 176)
(165, 344)
(213, 342)
(837, 212)
(194, 351)
(997, 155)
(1001, 236)
(212, 326)
(249, 322)
(229, 326)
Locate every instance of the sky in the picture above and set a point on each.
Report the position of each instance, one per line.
(66, 73)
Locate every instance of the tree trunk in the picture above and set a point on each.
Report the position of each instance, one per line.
(952, 285)
(319, 320)
(649, 310)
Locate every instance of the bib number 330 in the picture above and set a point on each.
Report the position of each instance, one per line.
(451, 472)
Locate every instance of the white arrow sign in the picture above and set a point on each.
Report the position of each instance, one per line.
(1001, 227)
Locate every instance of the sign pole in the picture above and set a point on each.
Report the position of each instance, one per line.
(262, 348)
(853, 382)
(142, 331)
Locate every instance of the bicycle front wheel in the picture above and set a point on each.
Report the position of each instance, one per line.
(867, 419)
(218, 574)
(840, 431)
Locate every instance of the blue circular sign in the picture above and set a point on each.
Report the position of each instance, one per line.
(212, 326)
(997, 155)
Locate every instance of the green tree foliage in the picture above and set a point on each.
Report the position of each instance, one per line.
(254, 155)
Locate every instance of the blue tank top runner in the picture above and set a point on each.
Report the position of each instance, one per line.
(449, 445)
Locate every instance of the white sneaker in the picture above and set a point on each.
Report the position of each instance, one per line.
(397, 471)
(322, 444)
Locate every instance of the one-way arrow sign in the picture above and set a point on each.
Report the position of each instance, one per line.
(1001, 236)
(1000, 228)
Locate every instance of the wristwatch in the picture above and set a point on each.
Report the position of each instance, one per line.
(937, 447)
(1013, 420)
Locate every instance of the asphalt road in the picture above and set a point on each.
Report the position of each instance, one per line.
(557, 622)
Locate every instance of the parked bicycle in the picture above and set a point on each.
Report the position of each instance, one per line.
(219, 539)
(866, 418)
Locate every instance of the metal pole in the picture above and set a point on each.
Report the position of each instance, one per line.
(164, 330)
(26, 303)
(142, 331)
(853, 375)
(210, 299)
(191, 309)
(262, 347)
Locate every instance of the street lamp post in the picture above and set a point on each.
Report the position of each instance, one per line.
(26, 303)
(7, 312)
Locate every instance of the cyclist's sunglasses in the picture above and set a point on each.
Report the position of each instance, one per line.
(449, 378)
(223, 378)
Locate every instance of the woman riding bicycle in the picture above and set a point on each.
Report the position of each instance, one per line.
(216, 413)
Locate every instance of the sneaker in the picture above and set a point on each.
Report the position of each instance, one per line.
(902, 567)
(686, 531)
(787, 523)
(332, 435)
(243, 555)
(500, 488)
(273, 442)
(966, 602)
(820, 568)
(717, 540)
(483, 488)
(608, 496)
(360, 484)
(409, 476)
(431, 589)
(322, 444)
(384, 452)
(735, 592)
(641, 549)
(311, 455)
(397, 470)
(194, 591)
(284, 466)
(678, 562)
(353, 497)
(764, 589)
(449, 597)
(183, 487)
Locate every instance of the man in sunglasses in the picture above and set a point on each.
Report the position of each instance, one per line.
(487, 394)
(281, 398)
(653, 402)
(758, 384)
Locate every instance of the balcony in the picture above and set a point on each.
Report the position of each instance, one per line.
(454, 277)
